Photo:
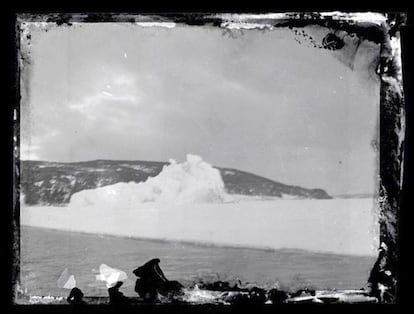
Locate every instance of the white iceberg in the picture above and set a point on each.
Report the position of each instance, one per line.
(193, 181)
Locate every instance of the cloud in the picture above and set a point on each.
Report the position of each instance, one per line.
(29, 151)
(252, 102)
(106, 93)
(93, 106)
(123, 81)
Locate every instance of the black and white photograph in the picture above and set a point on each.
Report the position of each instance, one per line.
(237, 160)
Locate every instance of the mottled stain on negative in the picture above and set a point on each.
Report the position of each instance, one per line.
(346, 31)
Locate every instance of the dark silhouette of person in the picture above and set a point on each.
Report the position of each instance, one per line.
(116, 297)
(152, 281)
(75, 297)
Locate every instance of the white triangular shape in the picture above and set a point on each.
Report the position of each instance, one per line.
(71, 283)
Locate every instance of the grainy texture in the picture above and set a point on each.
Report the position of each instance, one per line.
(383, 277)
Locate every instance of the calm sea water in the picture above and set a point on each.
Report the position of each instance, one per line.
(45, 253)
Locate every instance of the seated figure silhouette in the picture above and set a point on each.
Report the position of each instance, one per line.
(116, 297)
(152, 281)
(75, 297)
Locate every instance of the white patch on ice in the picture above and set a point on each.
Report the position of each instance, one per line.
(66, 281)
(110, 275)
(71, 283)
(39, 183)
(193, 181)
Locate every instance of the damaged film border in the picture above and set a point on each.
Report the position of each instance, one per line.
(382, 29)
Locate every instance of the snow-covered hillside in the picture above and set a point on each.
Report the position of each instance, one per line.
(193, 181)
(53, 183)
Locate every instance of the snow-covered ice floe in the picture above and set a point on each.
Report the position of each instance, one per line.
(342, 226)
(187, 202)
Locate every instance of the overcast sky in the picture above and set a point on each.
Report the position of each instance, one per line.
(256, 101)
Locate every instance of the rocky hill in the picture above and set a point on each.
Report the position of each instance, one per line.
(53, 183)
